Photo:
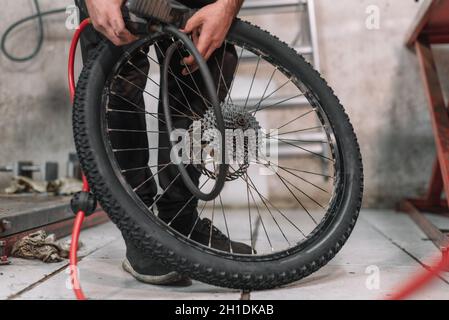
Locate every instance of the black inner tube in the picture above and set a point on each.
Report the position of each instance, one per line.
(215, 104)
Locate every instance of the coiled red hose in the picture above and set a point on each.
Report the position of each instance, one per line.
(80, 215)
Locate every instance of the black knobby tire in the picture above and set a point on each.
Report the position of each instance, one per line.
(155, 239)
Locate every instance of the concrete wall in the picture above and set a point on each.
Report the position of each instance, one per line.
(35, 117)
(375, 76)
(378, 81)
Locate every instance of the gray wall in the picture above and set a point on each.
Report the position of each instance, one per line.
(35, 113)
(375, 76)
(378, 81)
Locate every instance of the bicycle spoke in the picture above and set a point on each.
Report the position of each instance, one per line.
(189, 71)
(140, 168)
(171, 95)
(250, 221)
(140, 149)
(222, 79)
(154, 97)
(271, 214)
(298, 170)
(296, 131)
(211, 225)
(134, 169)
(135, 131)
(170, 72)
(266, 88)
(233, 78)
(296, 175)
(179, 86)
(305, 180)
(134, 105)
(150, 178)
(299, 140)
(297, 188)
(220, 68)
(196, 221)
(260, 218)
(226, 223)
(153, 114)
(274, 207)
(186, 204)
(165, 191)
(257, 106)
(304, 149)
(194, 82)
(300, 203)
(278, 103)
(252, 82)
(296, 119)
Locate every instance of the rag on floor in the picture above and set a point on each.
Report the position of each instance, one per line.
(39, 245)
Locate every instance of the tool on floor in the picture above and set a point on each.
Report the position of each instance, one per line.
(5, 225)
(48, 170)
(73, 167)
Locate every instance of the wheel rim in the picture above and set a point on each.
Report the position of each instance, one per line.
(263, 214)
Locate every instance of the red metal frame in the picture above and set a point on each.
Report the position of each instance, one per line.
(433, 28)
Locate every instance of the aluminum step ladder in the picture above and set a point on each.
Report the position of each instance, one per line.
(306, 39)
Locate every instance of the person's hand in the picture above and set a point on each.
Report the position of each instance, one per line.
(209, 27)
(106, 17)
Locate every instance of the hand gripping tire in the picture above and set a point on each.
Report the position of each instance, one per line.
(322, 235)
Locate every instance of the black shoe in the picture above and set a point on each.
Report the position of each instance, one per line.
(157, 275)
(148, 270)
(202, 234)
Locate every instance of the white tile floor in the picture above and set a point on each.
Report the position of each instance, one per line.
(383, 240)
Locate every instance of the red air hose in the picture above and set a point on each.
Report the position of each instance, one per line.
(80, 215)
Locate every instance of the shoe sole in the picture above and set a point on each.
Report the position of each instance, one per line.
(172, 278)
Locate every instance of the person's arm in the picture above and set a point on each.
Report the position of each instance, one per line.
(107, 18)
(209, 27)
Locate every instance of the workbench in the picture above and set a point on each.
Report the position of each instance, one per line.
(432, 27)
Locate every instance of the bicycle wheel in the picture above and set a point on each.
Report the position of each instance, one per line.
(294, 211)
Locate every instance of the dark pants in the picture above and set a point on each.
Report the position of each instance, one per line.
(173, 202)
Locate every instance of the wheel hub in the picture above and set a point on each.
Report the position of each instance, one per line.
(235, 118)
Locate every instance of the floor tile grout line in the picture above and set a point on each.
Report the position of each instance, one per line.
(37, 283)
(396, 244)
(245, 295)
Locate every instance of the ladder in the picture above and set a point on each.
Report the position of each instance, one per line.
(306, 39)
(306, 43)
